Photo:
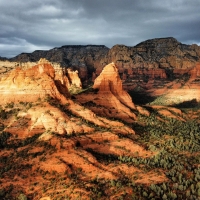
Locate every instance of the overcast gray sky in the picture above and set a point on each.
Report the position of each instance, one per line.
(31, 25)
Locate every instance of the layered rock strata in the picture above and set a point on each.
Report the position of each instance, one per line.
(29, 84)
(84, 58)
(63, 76)
(50, 105)
(110, 99)
(155, 58)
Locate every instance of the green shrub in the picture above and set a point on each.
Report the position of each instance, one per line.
(3, 139)
(3, 114)
(22, 197)
(10, 105)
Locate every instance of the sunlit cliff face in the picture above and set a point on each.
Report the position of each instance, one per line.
(44, 88)
(109, 98)
(109, 82)
(31, 81)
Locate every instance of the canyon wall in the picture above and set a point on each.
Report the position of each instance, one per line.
(151, 67)
(155, 58)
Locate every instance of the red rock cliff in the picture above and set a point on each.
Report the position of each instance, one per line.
(110, 100)
(30, 84)
(109, 82)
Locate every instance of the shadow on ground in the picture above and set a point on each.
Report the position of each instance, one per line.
(141, 98)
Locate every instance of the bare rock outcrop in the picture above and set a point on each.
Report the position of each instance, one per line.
(195, 72)
(29, 84)
(64, 77)
(159, 58)
(40, 84)
(74, 79)
(109, 84)
(109, 100)
(154, 58)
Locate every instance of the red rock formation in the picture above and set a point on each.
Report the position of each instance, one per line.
(74, 78)
(35, 84)
(109, 83)
(110, 100)
(195, 72)
(61, 80)
(65, 78)
(30, 84)
(31, 73)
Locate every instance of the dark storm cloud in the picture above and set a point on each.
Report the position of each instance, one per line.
(30, 25)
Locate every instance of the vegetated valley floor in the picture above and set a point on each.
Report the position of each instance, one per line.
(161, 161)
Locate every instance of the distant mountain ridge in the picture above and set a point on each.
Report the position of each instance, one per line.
(3, 58)
(62, 54)
(83, 58)
(153, 58)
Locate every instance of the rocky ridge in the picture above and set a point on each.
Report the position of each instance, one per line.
(63, 76)
(109, 98)
(84, 58)
(155, 58)
(38, 84)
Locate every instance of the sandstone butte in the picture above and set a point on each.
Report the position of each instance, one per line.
(109, 84)
(110, 100)
(40, 82)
